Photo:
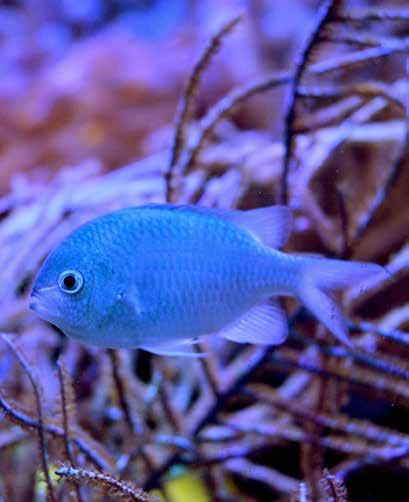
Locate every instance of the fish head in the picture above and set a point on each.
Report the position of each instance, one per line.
(75, 289)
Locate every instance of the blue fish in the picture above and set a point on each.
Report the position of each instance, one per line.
(158, 277)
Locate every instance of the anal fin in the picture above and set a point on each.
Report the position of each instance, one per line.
(264, 324)
(183, 348)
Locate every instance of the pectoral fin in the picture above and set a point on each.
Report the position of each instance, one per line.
(132, 300)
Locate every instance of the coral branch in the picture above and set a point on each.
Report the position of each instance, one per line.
(40, 429)
(93, 451)
(186, 103)
(371, 380)
(373, 14)
(122, 381)
(67, 401)
(367, 327)
(322, 18)
(359, 428)
(222, 109)
(121, 490)
(392, 179)
(333, 488)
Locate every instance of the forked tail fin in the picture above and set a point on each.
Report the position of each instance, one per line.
(318, 275)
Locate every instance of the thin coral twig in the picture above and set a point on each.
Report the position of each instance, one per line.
(12, 436)
(396, 169)
(368, 327)
(363, 39)
(171, 413)
(66, 425)
(257, 359)
(41, 435)
(329, 115)
(360, 428)
(186, 103)
(123, 490)
(346, 445)
(322, 18)
(209, 372)
(222, 109)
(343, 214)
(373, 14)
(333, 487)
(376, 361)
(366, 379)
(369, 89)
(359, 57)
(122, 391)
(91, 451)
(271, 477)
(64, 384)
(237, 96)
(395, 335)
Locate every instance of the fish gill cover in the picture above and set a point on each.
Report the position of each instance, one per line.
(305, 104)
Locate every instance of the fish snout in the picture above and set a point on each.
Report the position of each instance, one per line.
(34, 299)
(34, 292)
(43, 303)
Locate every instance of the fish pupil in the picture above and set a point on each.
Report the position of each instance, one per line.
(69, 281)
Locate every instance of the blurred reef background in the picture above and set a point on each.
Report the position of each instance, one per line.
(107, 104)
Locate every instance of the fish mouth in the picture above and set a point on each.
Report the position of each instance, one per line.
(41, 306)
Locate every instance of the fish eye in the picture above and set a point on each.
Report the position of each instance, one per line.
(70, 281)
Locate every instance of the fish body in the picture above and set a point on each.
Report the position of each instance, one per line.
(158, 276)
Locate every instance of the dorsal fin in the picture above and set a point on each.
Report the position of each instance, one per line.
(271, 224)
